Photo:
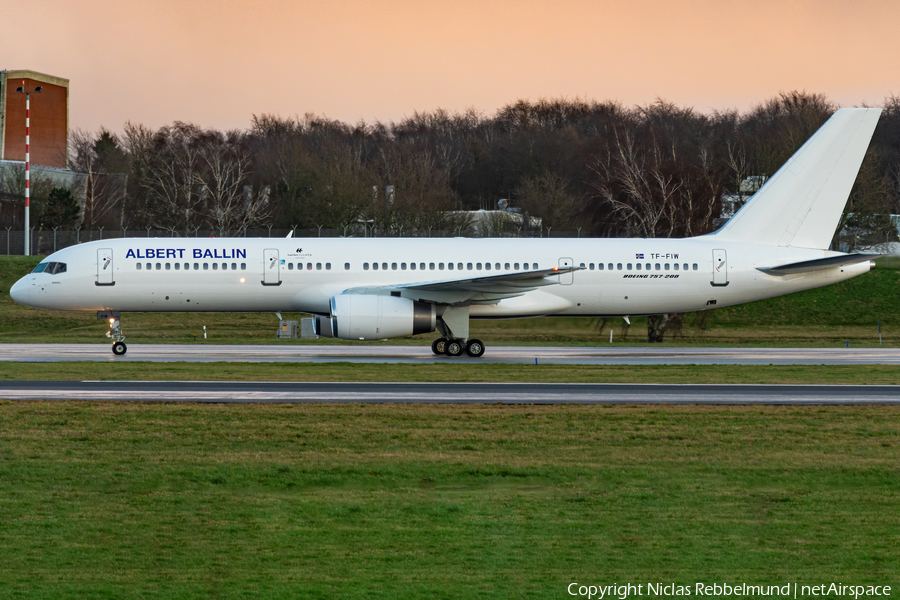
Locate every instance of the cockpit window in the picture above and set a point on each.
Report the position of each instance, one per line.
(51, 268)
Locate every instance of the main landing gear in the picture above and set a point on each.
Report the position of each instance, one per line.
(455, 347)
(115, 331)
(454, 328)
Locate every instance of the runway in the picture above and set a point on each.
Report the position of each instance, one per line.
(572, 355)
(448, 393)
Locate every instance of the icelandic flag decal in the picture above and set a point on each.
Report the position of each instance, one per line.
(639, 256)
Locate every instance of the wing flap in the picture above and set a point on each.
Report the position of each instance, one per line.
(485, 289)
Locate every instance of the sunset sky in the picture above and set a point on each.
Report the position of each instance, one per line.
(216, 63)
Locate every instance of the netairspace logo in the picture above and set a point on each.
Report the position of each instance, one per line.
(726, 590)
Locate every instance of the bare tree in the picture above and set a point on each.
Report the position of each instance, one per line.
(168, 164)
(104, 190)
(228, 201)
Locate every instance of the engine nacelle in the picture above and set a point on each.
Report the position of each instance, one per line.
(365, 317)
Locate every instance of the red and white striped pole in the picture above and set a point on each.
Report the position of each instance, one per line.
(27, 170)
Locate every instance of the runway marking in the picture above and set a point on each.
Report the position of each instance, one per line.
(597, 355)
(449, 393)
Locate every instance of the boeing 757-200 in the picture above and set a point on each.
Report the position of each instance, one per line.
(368, 289)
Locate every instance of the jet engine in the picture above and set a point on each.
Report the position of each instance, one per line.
(367, 317)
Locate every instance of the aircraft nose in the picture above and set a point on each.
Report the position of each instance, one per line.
(21, 292)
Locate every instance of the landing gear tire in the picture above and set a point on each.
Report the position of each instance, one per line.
(119, 348)
(475, 348)
(453, 348)
(437, 346)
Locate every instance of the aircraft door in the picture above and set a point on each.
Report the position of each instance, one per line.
(105, 267)
(720, 269)
(566, 278)
(271, 267)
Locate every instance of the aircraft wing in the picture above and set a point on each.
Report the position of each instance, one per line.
(471, 290)
(808, 266)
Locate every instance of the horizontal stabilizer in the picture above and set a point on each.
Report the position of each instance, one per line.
(820, 264)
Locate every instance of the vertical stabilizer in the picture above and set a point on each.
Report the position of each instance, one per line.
(800, 206)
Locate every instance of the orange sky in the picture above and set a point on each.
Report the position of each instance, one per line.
(216, 63)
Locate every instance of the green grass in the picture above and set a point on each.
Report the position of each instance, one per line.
(826, 316)
(228, 371)
(106, 500)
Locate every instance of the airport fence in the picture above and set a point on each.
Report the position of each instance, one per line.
(45, 241)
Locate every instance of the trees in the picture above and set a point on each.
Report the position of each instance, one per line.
(61, 210)
(104, 165)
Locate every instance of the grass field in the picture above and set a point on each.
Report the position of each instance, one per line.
(824, 317)
(104, 500)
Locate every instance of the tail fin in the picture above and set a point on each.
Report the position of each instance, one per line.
(800, 206)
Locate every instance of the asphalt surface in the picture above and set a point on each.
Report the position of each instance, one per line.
(575, 355)
(448, 393)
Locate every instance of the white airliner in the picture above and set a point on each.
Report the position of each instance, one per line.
(369, 289)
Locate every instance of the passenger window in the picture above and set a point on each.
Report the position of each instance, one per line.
(619, 266)
(599, 266)
(421, 266)
(206, 266)
(441, 266)
(215, 266)
(534, 266)
(469, 266)
(290, 266)
(224, 266)
(318, 266)
(187, 266)
(450, 266)
(393, 266)
(431, 266)
(629, 266)
(638, 266)
(667, 266)
(168, 266)
(676, 266)
(649, 266)
(412, 266)
(459, 266)
(327, 266)
(657, 266)
(309, 266)
(516, 266)
(138, 267)
(243, 266)
(487, 266)
(402, 266)
(506, 266)
(196, 266)
(384, 266)
(234, 266)
(374, 266)
(582, 265)
(610, 266)
(685, 266)
(365, 266)
(158, 266)
(478, 266)
(346, 266)
(177, 266)
(695, 266)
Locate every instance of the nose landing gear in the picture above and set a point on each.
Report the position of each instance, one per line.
(115, 331)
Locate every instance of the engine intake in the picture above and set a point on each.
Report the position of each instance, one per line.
(366, 317)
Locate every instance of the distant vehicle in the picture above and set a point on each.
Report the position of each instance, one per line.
(377, 288)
